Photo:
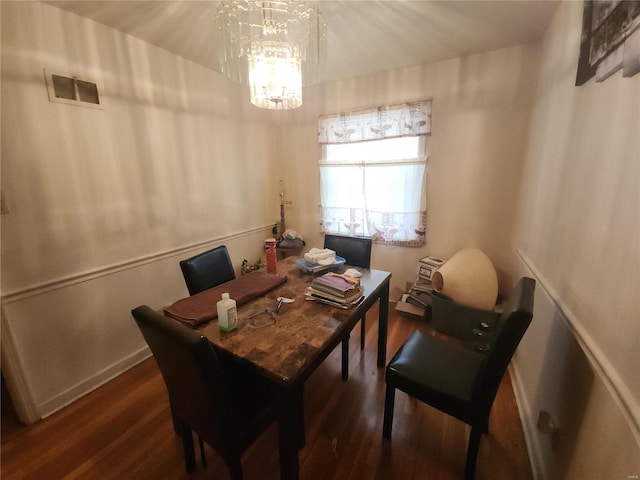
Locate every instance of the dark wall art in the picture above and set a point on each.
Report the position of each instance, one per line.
(610, 39)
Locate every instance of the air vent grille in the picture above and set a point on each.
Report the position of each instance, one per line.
(73, 90)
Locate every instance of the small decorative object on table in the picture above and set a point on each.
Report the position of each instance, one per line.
(247, 267)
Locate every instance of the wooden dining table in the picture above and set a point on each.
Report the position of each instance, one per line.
(291, 344)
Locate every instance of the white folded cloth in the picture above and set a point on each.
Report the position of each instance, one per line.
(353, 273)
(327, 261)
(324, 256)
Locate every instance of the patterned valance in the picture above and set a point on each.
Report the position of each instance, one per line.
(406, 119)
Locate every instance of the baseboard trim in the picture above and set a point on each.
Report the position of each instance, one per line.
(526, 420)
(81, 389)
(628, 405)
(62, 282)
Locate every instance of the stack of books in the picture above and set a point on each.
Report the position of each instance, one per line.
(420, 292)
(335, 289)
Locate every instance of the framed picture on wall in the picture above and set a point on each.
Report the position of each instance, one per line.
(608, 28)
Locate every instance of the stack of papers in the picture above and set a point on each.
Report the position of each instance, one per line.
(335, 289)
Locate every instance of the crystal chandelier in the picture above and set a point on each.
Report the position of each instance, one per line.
(276, 47)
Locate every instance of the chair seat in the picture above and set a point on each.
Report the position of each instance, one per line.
(426, 367)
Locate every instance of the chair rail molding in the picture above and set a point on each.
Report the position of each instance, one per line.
(62, 282)
(621, 394)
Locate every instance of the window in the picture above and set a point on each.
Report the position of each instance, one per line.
(373, 173)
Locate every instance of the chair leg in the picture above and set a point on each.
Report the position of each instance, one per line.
(345, 358)
(389, 400)
(363, 324)
(175, 420)
(187, 446)
(472, 453)
(235, 468)
(301, 432)
(202, 456)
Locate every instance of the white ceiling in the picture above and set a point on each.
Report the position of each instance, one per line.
(364, 37)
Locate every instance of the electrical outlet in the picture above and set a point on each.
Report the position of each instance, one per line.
(4, 208)
(548, 426)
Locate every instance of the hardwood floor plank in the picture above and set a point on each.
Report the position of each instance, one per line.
(123, 430)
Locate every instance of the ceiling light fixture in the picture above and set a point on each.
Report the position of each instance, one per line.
(276, 47)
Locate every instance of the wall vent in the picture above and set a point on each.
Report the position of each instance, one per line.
(73, 90)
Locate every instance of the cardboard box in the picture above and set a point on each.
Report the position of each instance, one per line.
(410, 308)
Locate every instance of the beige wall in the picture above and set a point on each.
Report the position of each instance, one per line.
(166, 164)
(104, 203)
(578, 235)
(481, 109)
(581, 201)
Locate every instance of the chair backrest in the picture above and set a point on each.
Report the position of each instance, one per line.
(193, 375)
(207, 269)
(355, 250)
(511, 327)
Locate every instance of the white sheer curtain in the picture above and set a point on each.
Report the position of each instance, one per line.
(373, 173)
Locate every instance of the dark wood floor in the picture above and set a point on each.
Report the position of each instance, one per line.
(123, 431)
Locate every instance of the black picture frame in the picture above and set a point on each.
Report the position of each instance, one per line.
(605, 26)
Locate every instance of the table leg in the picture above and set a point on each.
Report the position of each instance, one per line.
(383, 320)
(345, 358)
(300, 413)
(289, 432)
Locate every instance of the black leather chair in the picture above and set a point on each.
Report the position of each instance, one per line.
(355, 250)
(226, 404)
(458, 380)
(357, 253)
(208, 269)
